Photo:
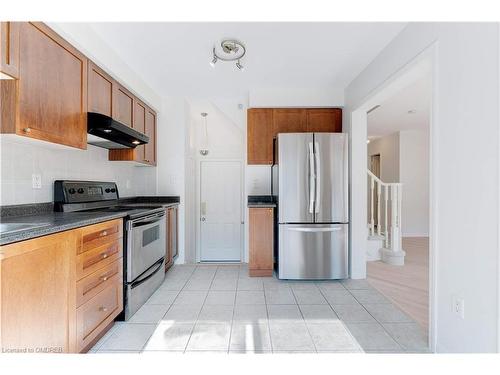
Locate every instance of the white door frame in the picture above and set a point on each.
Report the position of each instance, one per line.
(358, 179)
(199, 161)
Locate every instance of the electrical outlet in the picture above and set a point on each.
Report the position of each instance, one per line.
(459, 306)
(36, 181)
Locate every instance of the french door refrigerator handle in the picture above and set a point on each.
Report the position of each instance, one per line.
(312, 178)
(318, 177)
(309, 229)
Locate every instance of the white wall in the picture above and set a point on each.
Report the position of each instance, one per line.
(414, 174)
(276, 98)
(464, 171)
(20, 159)
(171, 155)
(388, 149)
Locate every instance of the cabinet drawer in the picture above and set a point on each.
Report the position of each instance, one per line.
(94, 315)
(93, 260)
(94, 283)
(96, 235)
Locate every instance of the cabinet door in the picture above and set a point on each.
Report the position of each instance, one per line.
(100, 91)
(123, 107)
(9, 48)
(52, 88)
(140, 125)
(38, 294)
(260, 136)
(261, 241)
(324, 120)
(150, 131)
(289, 121)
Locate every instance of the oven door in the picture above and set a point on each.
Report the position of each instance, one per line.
(146, 243)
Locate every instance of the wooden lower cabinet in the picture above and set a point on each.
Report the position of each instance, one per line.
(261, 241)
(172, 236)
(37, 294)
(47, 304)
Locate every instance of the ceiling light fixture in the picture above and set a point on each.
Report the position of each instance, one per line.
(204, 146)
(229, 50)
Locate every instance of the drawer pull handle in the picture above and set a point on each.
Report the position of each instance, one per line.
(103, 233)
(27, 130)
(104, 309)
(104, 278)
(104, 255)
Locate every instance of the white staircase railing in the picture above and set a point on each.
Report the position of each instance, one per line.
(385, 221)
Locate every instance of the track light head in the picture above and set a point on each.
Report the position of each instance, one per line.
(214, 61)
(239, 66)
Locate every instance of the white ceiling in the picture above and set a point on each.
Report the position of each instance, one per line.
(392, 115)
(173, 58)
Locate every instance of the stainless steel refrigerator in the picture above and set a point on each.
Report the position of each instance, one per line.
(310, 182)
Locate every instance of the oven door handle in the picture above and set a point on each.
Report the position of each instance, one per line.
(150, 220)
(138, 282)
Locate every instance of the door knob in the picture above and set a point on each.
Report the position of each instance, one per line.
(203, 219)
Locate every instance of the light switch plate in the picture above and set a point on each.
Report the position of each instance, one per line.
(36, 181)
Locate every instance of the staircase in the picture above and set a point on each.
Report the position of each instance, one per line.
(384, 221)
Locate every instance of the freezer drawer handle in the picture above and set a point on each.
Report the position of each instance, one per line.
(315, 229)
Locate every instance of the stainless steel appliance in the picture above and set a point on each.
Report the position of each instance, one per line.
(310, 181)
(144, 235)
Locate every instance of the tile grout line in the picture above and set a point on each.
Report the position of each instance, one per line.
(158, 323)
(302, 315)
(232, 316)
(199, 312)
(267, 316)
(376, 320)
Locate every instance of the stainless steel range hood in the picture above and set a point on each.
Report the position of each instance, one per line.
(105, 132)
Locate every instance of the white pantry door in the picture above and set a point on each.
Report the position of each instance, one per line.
(220, 211)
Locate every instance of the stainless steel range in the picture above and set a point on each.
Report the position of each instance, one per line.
(144, 235)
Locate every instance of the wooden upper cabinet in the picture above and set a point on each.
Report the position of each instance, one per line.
(324, 120)
(289, 121)
(9, 48)
(260, 136)
(123, 106)
(140, 125)
(100, 91)
(51, 92)
(150, 131)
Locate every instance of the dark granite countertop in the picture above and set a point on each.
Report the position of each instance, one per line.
(42, 220)
(262, 201)
(52, 222)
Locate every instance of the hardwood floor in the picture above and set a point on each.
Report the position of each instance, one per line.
(407, 286)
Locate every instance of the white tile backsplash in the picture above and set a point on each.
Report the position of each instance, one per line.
(20, 159)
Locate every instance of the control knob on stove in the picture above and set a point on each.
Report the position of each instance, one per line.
(107, 190)
(80, 191)
(72, 191)
(113, 190)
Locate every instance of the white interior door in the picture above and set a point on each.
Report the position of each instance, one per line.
(220, 211)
